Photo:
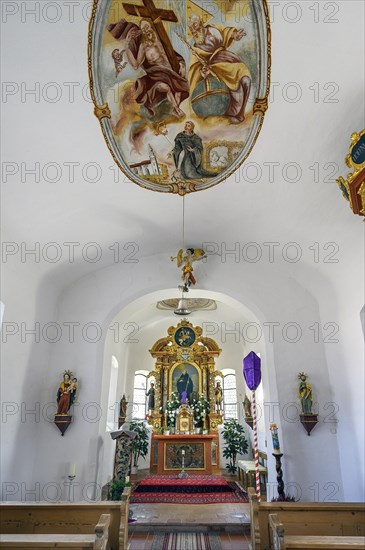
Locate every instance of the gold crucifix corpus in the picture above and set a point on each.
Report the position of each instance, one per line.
(150, 11)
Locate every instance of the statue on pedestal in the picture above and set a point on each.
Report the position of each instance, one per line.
(305, 393)
(218, 392)
(151, 398)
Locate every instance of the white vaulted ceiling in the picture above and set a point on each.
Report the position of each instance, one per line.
(309, 59)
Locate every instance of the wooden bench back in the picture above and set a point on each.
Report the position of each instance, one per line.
(67, 518)
(305, 518)
(281, 540)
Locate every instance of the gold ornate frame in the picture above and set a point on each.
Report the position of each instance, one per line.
(175, 365)
(354, 184)
(180, 187)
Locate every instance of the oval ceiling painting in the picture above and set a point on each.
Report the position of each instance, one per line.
(180, 87)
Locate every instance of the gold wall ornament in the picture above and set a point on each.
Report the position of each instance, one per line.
(147, 120)
(102, 111)
(353, 187)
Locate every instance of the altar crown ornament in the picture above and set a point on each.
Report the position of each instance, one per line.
(302, 374)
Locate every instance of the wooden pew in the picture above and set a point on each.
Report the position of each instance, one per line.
(67, 518)
(281, 541)
(305, 519)
(99, 541)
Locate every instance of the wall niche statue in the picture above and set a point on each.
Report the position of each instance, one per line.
(305, 392)
(66, 396)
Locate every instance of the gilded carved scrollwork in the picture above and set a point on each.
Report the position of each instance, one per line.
(182, 349)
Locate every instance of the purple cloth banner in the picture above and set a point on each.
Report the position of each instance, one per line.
(252, 370)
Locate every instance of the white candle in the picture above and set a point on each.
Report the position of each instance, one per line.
(183, 452)
(72, 471)
(127, 479)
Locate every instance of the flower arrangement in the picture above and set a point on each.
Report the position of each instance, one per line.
(171, 407)
(235, 443)
(201, 409)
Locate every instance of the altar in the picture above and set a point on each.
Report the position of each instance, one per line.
(200, 453)
(185, 402)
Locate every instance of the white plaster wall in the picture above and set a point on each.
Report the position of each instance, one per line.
(97, 298)
(25, 360)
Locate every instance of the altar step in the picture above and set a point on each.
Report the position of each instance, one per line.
(227, 518)
(229, 528)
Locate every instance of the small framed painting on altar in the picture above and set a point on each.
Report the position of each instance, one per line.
(194, 456)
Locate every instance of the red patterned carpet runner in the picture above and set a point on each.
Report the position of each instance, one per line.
(186, 541)
(192, 490)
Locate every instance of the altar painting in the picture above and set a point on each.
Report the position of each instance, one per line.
(186, 377)
(170, 78)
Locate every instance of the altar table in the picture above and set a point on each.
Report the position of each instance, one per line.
(201, 453)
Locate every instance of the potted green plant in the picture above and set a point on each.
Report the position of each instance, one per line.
(235, 443)
(116, 489)
(140, 443)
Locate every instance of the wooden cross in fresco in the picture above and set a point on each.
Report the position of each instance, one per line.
(149, 11)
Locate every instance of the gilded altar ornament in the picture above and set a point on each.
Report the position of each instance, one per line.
(353, 187)
(66, 395)
(307, 418)
(185, 261)
(167, 77)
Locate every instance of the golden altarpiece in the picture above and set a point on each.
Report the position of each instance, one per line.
(185, 371)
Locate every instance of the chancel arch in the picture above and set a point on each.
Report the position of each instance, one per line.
(157, 351)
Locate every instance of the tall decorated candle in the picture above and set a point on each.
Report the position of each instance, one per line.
(275, 438)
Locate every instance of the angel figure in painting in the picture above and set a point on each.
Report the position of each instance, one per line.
(66, 393)
(159, 82)
(305, 393)
(212, 57)
(186, 262)
(119, 64)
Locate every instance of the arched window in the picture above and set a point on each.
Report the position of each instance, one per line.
(139, 395)
(229, 394)
(113, 410)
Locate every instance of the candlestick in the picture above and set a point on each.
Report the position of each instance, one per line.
(70, 488)
(183, 474)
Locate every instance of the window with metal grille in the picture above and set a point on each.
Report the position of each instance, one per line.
(230, 396)
(139, 395)
(113, 408)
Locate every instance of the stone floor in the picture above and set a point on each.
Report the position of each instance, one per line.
(232, 521)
